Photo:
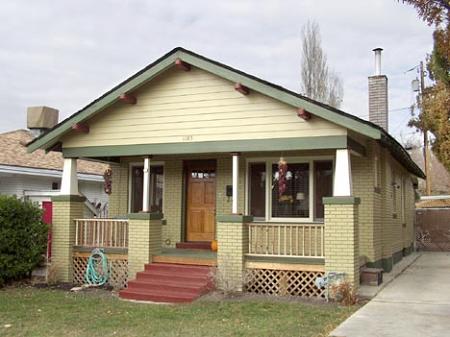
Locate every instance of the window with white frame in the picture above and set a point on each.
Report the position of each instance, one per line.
(156, 188)
(307, 182)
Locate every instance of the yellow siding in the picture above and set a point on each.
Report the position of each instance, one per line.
(196, 106)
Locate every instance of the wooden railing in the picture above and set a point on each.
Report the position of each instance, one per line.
(107, 233)
(296, 240)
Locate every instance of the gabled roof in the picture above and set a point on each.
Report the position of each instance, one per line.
(279, 93)
(440, 177)
(13, 152)
(433, 203)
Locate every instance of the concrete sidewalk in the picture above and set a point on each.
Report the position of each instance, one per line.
(416, 303)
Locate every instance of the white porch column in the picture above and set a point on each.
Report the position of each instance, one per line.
(234, 208)
(146, 189)
(342, 186)
(69, 183)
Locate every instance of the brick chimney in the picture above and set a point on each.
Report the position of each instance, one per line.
(378, 94)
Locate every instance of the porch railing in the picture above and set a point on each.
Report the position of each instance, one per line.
(107, 233)
(295, 240)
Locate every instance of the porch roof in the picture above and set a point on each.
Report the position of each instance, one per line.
(251, 145)
(50, 139)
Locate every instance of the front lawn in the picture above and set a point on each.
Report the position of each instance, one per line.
(43, 312)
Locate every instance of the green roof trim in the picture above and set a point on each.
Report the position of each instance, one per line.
(324, 111)
(51, 137)
(68, 198)
(250, 145)
(341, 200)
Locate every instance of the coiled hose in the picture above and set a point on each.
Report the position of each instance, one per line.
(97, 271)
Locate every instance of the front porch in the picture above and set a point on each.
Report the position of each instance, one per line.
(278, 248)
(275, 255)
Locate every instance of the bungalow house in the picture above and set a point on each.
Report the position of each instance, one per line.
(290, 188)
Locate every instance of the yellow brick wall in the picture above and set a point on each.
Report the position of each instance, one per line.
(363, 179)
(144, 240)
(63, 236)
(382, 230)
(342, 241)
(409, 235)
(118, 199)
(232, 246)
(172, 201)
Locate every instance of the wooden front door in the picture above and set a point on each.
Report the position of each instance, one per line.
(201, 200)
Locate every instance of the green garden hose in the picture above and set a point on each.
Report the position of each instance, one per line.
(97, 271)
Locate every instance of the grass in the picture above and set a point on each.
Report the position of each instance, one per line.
(44, 312)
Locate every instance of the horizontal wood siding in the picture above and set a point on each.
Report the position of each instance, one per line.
(196, 106)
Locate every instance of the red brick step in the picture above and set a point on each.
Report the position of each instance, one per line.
(172, 283)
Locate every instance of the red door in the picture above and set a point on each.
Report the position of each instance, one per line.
(47, 217)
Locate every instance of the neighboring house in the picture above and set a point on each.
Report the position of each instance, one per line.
(440, 177)
(37, 176)
(198, 152)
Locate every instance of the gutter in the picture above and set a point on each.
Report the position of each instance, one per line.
(47, 173)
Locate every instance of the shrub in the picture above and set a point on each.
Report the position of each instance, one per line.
(23, 238)
(344, 293)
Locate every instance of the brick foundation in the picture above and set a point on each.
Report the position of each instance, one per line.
(66, 208)
(144, 240)
(341, 237)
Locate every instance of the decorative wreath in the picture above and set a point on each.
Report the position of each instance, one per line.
(282, 170)
(107, 176)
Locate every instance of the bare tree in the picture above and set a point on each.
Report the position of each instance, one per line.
(318, 81)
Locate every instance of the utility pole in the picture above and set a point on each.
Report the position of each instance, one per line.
(426, 150)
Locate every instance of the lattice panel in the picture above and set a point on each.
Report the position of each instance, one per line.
(119, 271)
(283, 282)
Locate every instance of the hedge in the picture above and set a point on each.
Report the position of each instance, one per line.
(23, 238)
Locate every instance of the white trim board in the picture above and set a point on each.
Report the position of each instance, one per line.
(31, 171)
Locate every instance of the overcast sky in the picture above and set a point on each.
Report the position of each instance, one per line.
(66, 53)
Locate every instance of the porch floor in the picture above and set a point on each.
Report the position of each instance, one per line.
(198, 257)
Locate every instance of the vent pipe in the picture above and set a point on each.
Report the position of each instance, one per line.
(378, 61)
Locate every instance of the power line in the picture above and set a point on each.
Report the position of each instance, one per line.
(397, 109)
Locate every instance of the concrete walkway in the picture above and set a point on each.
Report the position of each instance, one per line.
(416, 303)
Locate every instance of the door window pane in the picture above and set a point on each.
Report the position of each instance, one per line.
(294, 202)
(323, 181)
(258, 190)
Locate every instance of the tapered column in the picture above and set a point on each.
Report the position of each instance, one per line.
(146, 189)
(234, 208)
(69, 183)
(342, 186)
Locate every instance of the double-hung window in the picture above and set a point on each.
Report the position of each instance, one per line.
(307, 182)
(156, 188)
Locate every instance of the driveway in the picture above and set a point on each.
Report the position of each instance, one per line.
(416, 303)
